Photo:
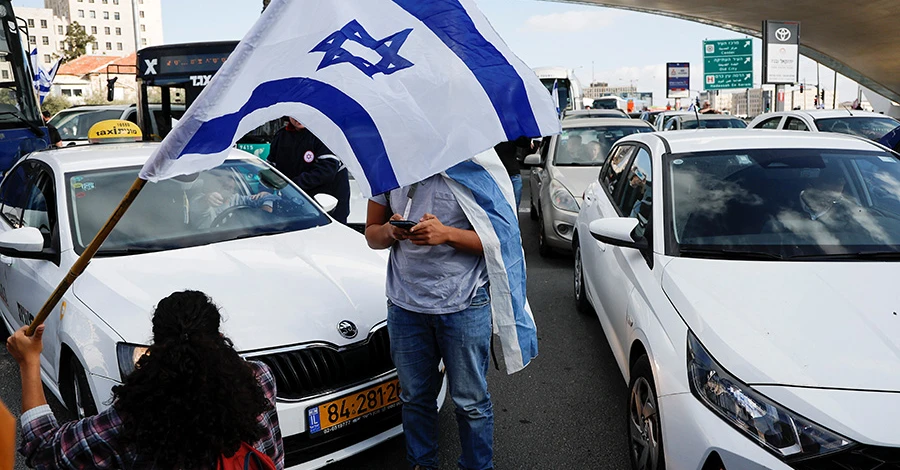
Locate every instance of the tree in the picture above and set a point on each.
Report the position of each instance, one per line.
(76, 42)
(54, 104)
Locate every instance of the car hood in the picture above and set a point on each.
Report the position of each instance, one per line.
(576, 178)
(273, 290)
(812, 324)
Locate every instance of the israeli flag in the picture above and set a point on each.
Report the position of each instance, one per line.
(42, 79)
(399, 89)
(555, 95)
(484, 191)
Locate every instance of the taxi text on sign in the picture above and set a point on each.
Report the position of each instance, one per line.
(727, 64)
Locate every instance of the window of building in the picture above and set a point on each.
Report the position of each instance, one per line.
(106, 30)
(45, 40)
(143, 27)
(106, 15)
(93, 30)
(109, 46)
(93, 13)
(118, 31)
(90, 1)
(143, 41)
(47, 58)
(44, 24)
(141, 2)
(4, 74)
(119, 46)
(77, 92)
(105, 2)
(32, 40)
(62, 45)
(81, 13)
(67, 92)
(141, 13)
(30, 23)
(115, 2)
(60, 30)
(95, 45)
(116, 15)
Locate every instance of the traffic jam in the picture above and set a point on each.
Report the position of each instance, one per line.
(739, 266)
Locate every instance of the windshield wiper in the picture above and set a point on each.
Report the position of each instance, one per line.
(35, 129)
(863, 255)
(715, 253)
(127, 251)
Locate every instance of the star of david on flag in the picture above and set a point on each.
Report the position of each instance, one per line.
(388, 48)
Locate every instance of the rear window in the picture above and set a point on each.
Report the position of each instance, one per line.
(74, 125)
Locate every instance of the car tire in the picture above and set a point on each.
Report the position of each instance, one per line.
(645, 440)
(581, 302)
(543, 248)
(76, 390)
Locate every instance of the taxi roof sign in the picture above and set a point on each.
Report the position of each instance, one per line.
(114, 130)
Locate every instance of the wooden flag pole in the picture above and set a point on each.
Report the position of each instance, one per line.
(89, 252)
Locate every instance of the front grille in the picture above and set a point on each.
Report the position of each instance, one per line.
(858, 458)
(307, 372)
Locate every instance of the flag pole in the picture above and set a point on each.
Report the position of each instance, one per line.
(89, 252)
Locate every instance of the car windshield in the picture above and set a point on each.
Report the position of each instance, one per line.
(785, 203)
(869, 127)
(74, 125)
(713, 124)
(588, 146)
(239, 199)
(596, 114)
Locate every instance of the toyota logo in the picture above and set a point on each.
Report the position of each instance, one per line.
(782, 34)
(347, 329)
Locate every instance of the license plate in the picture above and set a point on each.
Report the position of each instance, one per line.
(350, 408)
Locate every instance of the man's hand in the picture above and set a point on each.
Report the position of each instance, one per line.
(253, 197)
(215, 199)
(397, 233)
(26, 350)
(429, 231)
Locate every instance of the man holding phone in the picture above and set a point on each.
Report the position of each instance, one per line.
(438, 309)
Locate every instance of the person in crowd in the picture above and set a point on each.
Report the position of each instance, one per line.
(191, 401)
(438, 308)
(303, 158)
(508, 153)
(55, 139)
(595, 151)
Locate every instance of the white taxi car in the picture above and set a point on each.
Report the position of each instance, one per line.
(298, 291)
(746, 284)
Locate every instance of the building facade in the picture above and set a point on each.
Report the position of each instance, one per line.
(111, 22)
(598, 89)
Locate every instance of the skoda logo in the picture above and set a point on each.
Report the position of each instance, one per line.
(347, 329)
(782, 34)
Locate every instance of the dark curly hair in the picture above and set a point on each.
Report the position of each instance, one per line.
(191, 398)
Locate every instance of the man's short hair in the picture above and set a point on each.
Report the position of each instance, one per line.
(45, 113)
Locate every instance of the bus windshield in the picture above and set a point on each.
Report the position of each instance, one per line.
(562, 88)
(18, 106)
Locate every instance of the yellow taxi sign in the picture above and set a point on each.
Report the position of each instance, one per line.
(114, 130)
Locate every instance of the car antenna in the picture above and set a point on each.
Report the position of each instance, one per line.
(848, 110)
(697, 115)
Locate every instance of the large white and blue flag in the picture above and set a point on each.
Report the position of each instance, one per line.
(43, 79)
(399, 89)
(555, 95)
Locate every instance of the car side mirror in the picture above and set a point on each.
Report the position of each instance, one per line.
(326, 201)
(619, 231)
(25, 242)
(532, 160)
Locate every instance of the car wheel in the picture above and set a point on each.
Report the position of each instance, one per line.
(581, 301)
(543, 248)
(77, 392)
(645, 445)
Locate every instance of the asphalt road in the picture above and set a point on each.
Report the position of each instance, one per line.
(565, 410)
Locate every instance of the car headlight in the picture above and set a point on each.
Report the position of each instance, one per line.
(562, 198)
(775, 428)
(128, 356)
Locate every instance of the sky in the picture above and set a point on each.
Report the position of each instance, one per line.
(601, 44)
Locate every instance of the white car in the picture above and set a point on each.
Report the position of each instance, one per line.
(298, 291)
(860, 123)
(664, 117)
(747, 289)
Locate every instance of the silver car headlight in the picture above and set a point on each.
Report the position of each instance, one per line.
(775, 428)
(128, 356)
(562, 198)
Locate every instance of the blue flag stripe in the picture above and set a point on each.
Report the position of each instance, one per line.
(451, 23)
(354, 121)
(506, 225)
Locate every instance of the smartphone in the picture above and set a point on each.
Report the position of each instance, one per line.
(404, 224)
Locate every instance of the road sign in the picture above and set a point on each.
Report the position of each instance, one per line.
(727, 64)
(781, 51)
(678, 80)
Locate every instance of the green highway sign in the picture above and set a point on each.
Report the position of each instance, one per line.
(727, 64)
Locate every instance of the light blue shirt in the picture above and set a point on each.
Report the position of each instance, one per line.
(432, 279)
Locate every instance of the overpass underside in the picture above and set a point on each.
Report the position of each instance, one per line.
(857, 39)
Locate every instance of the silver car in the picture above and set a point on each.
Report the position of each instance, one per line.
(567, 164)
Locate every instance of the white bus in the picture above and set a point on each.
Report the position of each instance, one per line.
(611, 102)
(571, 96)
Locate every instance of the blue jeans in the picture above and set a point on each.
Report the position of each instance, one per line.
(517, 188)
(463, 340)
